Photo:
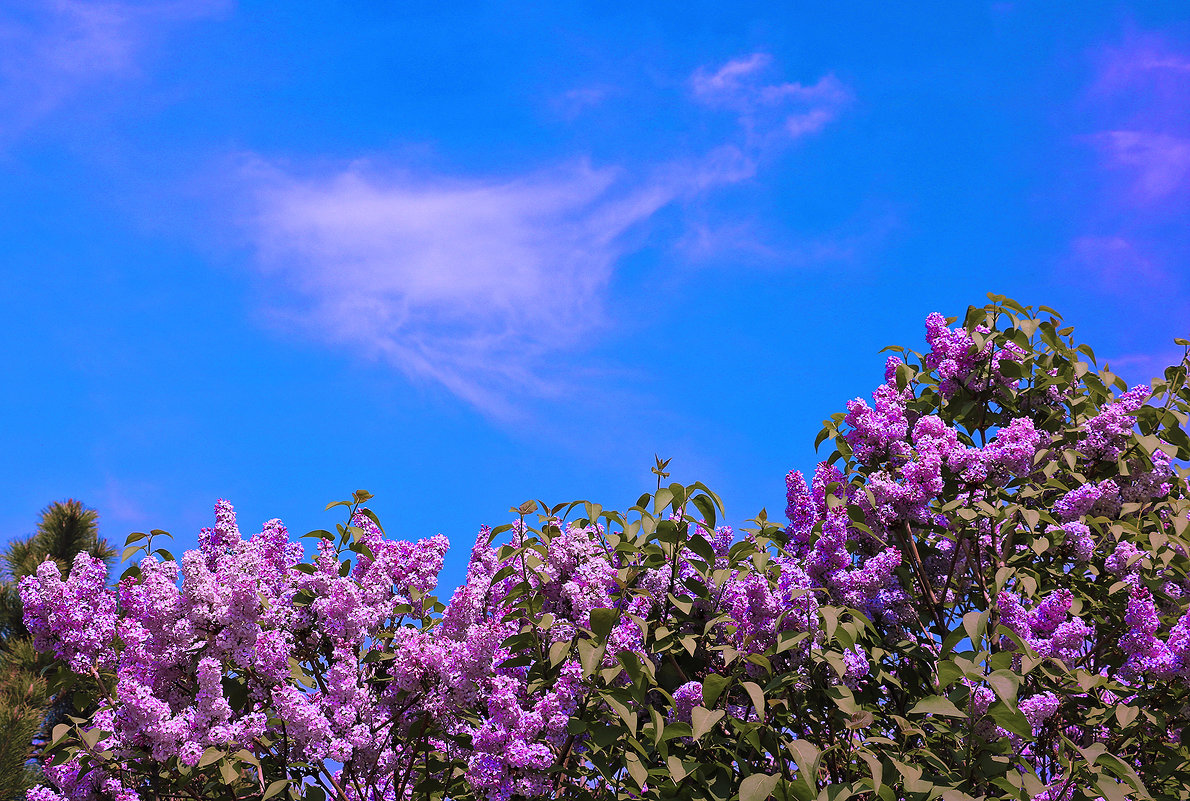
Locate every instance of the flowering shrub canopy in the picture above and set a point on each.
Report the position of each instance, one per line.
(982, 593)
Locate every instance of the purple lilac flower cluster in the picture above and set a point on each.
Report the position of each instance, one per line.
(911, 460)
(960, 364)
(171, 637)
(843, 559)
(1105, 433)
(76, 618)
(1045, 628)
(1148, 654)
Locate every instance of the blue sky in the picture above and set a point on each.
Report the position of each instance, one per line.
(466, 254)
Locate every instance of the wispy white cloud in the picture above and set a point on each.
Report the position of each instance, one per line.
(1116, 263)
(792, 109)
(1158, 163)
(715, 242)
(1144, 88)
(50, 50)
(117, 502)
(477, 283)
(1140, 101)
(573, 102)
(1139, 59)
(472, 283)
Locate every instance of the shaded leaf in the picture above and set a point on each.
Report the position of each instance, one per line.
(937, 705)
(758, 786)
(703, 720)
(712, 687)
(603, 620)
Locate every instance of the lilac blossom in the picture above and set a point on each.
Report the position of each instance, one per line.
(1104, 434)
(686, 697)
(1124, 560)
(1047, 628)
(1102, 497)
(75, 618)
(877, 431)
(1011, 451)
(1077, 539)
(1039, 708)
(954, 355)
(856, 662)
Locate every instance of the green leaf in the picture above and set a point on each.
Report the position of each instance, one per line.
(628, 716)
(658, 725)
(712, 686)
(904, 375)
(1091, 753)
(707, 508)
(368, 513)
(1127, 772)
(1011, 720)
(1111, 789)
(698, 543)
(823, 435)
(948, 674)
(974, 624)
(758, 786)
(703, 720)
(911, 776)
(1126, 713)
(274, 788)
(956, 795)
(603, 620)
(228, 772)
(1010, 369)
(639, 772)
(245, 755)
(590, 656)
(679, 495)
(1088, 681)
(876, 768)
(209, 756)
(632, 665)
(937, 705)
(559, 651)
(807, 757)
(1005, 683)
(757, 696)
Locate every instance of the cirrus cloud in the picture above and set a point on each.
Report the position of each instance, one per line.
(50, 51)
(791, 109)
(1139, 104)
(478, 283)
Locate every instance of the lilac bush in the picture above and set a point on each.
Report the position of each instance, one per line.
(982, 592)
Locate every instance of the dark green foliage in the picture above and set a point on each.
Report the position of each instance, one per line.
(27, 707)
